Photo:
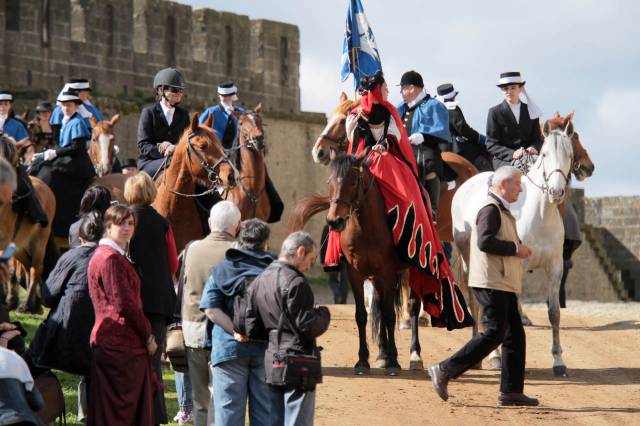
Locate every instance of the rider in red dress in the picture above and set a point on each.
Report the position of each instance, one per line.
(376, 124)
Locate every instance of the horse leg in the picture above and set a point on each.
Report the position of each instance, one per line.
(357, 287)
(378, 326)
(525, 319)
(415, 360)
(405, 320)
(390, 299)
(554, 274)
(31, 301)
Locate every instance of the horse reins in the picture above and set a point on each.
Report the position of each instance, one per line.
(354, 205)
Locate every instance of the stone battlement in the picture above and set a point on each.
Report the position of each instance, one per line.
(121, 44)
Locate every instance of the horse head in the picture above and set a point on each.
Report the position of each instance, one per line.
(582, 167)
(205, 157)
(555, 161)
(346, 187)
(8, 149)
(250, 129)
(334, 135)
(102, 146)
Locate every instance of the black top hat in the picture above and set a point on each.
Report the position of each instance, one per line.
(130, 162)
(70, 96)
(227, 88)
(411, 77)
(44, 106)
(6, 96)
(508, 78)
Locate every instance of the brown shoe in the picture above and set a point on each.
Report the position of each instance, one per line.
(439, 381)
(516, 399)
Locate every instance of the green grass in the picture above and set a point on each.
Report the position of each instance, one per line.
(70, 382)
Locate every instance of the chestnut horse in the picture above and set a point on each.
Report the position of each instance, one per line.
(32, 240)
(102, 146)
(356, 203)
(334, 138)
(198, 159)
(249, 194)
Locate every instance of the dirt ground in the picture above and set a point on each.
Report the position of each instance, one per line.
(601, 343)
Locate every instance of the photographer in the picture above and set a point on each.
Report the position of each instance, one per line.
(282, 304)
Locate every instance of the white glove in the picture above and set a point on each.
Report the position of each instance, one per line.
(37, 157)
(50, 154)
(162, 147)
(416, 139)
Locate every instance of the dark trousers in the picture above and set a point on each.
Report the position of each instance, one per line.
(339, 283)
(159, 330)
(199, 372)
(502, 325)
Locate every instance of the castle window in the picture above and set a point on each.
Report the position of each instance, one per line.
(170, 41)
(284, 61)
(12, 15)
(228, 45)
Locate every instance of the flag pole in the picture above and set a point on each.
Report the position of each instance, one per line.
(354, 65)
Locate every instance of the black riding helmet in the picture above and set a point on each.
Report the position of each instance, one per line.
(170, 77)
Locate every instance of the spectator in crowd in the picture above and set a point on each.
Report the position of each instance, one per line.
(283, 284)
(153, 251)
(199, 257)
(96, 198)
(238, 364)
(122, 383)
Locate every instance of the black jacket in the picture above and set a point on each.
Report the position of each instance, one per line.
(505, 135)
(148, 249)
(263, 312)
(62, 340)
(153, 129)
(458, 126)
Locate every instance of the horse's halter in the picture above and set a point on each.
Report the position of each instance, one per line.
(354, 204)
(339, 142)
(252, 142)
(546, 176)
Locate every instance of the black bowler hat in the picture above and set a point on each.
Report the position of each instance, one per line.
(130, 162)
(446, 92)
(411, 77)
(44, 106)
(509, 78)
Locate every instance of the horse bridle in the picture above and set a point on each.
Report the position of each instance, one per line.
(341, 142)
(354, 204)
(545, 177)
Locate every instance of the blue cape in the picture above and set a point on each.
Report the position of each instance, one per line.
(57, 115)
(93, 110)
(15, 129)
(431, 117)
(220, 119)
(75, 128)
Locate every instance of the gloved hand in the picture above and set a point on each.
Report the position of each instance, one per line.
(50, 154)
(482, 139)
(37, 157)
(169, 150)
(416, 139)
(163, 146)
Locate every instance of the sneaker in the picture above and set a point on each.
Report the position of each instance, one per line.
(178, 416)
(186, 419)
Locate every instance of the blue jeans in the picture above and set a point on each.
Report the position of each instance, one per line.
(183, 390)
(292, 407)
(234, 382)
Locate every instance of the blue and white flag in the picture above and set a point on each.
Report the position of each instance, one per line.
(360, 55)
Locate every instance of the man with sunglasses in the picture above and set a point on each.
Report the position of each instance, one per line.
(513, 127)
(161, 124)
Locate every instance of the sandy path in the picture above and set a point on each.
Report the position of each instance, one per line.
(601, 351)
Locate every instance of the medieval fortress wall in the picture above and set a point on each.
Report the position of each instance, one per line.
(121, 44)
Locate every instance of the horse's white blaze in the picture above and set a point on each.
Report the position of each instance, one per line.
(104, 141)
(538, 221)
(333, 121)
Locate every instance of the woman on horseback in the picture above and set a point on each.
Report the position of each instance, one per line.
(9, 125)
(67, 169)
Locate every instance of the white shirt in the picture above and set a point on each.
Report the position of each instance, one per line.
(109, 242)
(3, 118)
(168, 112)
(417, 100)
(12, 366)
(515, 109)
(227, 108)
(65, 119)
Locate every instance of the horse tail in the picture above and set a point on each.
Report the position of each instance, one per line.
(51, 255)
(305, 209)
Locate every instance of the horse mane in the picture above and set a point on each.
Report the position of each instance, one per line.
(342, 165)
(8, 149)
(305, 209)
(345, 107)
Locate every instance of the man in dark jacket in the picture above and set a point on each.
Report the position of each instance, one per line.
(283, 284)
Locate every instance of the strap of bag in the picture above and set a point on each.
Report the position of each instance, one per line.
(284, 311)
(177, 313)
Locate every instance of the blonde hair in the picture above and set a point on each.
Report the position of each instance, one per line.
(140, 190)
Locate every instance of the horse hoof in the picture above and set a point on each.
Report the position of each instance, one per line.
(381, 363)
(362, 370)
(495, 364)
(560, 371)
(416, 366)
(393, 371)
(526, 321)
(404, 325)
(423, 322)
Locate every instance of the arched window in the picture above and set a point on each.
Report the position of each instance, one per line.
(228, 46)
(284, 61)
(78, 32)
(170, 41)
(111, 22)
(12, 15)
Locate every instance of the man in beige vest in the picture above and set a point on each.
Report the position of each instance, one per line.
(495, 275)
(201, 256)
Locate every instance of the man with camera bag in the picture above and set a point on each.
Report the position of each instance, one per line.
(282, 305)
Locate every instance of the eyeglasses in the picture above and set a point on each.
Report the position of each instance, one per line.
(176, 90)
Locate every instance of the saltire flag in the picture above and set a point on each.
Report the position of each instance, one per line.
(360, 55)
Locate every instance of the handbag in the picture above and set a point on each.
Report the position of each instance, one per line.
(175, 347)
(292, 370)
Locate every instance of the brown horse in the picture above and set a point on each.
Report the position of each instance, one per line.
(356, 208)
(249, 194)
(32, 240)
(198, 159)
(102, 145)
(334, 138)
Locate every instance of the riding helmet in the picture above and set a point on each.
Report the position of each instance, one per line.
(169, 77)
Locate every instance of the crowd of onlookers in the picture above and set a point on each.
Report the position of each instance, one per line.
(113, 294)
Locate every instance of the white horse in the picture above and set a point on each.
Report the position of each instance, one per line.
(538, 221)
